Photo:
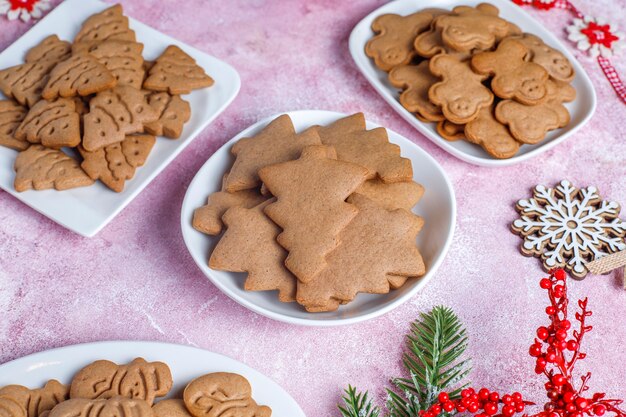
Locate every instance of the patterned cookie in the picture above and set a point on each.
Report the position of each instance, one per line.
(368, 148)
(557, 65)
(529, 124)
(393, 43)
(54, 124)
(36, 402)
(112, 407)
(122, 59)
(513, 77)
(277, 142)
(461, 93)
(41, 168)
(450, 131)
(113, 114)
(222, 394)
(415, 81)
(249, 245)
(492, 135)
(310, 206)
(110, 24)
(115, 164)
(377, 253)
(81, 74)
(139, 380)
(9, 408)
(173, 113)
(176, 72)
(171, 408)
(11, 116)
(398, 195)
(50, 49)
(25, 82)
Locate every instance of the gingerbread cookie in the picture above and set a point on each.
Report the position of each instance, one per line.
(368, 148)
(111, 407)
(277, 142)
(492, 135)
(114, 114)
(529, 124)
(461, 93)
(25, 82)
(36, 402)
(310, 206)
(249, 245)
(173, 113)
(171, 408)
(415, 81)
(450, 131)
(41, 168)
(404, 195)
(513, 77)
(115, 164)
(122, 59)
(393, 43)
(177, 73)
(222, 394)
(110, 24)
(377, 253)
(81, 74)
(11, 116)
(557, 65)
(9, 408)
(139, 380)
(50, 49)
(54, 124)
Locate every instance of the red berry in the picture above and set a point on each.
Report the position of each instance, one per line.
(559, 289)
(448, 406)
(519, 407)
(508, 410)
(599, 410)
(561, 335)
(460, 408)
(542, 333)
(534, 350)
(472, 408)
(443, 397)
(507, 399)
(581, 403)
(568, 397)
(435, 409)
(494, 397)
(551, 357)
(490, 408)
(465, 393)
(517, 397)
(560, 274)
(570, 408)
(554, 414)
(553, 394)
(483, 394)
(558, 380)
(572, 345)
(565, 325)
(545, 283)
(575, 415)
(550, 310)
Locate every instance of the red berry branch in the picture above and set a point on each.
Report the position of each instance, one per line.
(556, 352)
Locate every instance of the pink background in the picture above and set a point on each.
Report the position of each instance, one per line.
(136, 280)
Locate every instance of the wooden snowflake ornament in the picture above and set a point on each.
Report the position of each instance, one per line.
(568, 227)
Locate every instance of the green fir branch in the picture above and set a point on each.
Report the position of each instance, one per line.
(357, 404)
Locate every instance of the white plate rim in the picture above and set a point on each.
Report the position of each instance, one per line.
(187, 230)
(357, 45)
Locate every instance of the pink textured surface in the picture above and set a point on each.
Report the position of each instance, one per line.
(135, 280)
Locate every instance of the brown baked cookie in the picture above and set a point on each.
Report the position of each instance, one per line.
(529, 124)
(50, 49)
(110, 24)
(368, 148)
(54, 124)
(461, 93)
(81, 75)
(398, 195)
(177, 73)
(36, 401)
(122, 59)
(492, 135)
(9, 408)
(170, 408)
(557, 65)
(415, 81)
(249, 245)
(377, 253)
(173, 113)
(450, 131)
(393, 43)
(113, 114)
(25, 82)
(277, 142)
(139, 380)
(513, 77)
(41, 168)
(222, 394)
(115, 164)
(111, 407)
(11, 116)
(310, 207)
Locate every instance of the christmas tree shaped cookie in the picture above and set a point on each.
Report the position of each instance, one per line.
(11, 116)
(173, 113)
(81, 75)
(249, 245)
(113, 114)
(116, 163)
(368, 148)
(122, 59)
(50, 49)
(42, 168)
(110, 24)
(176, 72)
(54, 124)
(277, 142)
(377, 253)
(310, 207)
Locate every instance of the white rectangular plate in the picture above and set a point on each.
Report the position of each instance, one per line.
(580, 109)
(87, 210)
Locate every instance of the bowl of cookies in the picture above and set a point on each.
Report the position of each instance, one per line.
(484, 81)
(319, 218)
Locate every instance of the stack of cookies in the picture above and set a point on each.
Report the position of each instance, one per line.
(105, 389)
(97, 97)
(319, 215)
(475, 74)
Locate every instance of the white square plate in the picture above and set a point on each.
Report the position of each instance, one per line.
(87, 210)
(437, 207)
(185, 362)
(580, 109)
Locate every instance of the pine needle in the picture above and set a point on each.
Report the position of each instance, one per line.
(357, 404)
